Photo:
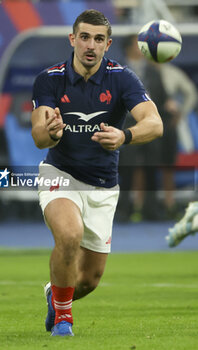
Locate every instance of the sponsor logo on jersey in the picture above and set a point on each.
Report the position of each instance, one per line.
(84, 116)
(82, 128)
(65, 99)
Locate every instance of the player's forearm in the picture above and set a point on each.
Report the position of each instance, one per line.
(146, 130)
(42, 138)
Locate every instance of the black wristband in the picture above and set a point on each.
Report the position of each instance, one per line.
(128, 136)
(53, 138)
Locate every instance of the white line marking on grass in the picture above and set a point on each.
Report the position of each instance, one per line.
(24, 283)
(105, 284)
(34, 283)
(170, 285)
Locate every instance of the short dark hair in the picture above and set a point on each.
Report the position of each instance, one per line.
(94, 17)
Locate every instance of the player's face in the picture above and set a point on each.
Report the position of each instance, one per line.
(90, 43)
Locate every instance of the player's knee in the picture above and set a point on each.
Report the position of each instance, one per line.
(83, 288)
(90, 281)
(91, 284)
(88, 287)
(67, 241)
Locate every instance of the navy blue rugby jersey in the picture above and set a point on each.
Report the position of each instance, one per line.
(105, 97)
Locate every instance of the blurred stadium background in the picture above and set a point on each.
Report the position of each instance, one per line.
(33, 35)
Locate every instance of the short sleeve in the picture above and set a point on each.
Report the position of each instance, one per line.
(44, 91)
(133, 91)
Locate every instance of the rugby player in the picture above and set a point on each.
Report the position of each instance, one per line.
(79, 110)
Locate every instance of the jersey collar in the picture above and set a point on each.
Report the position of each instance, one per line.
(96, 78)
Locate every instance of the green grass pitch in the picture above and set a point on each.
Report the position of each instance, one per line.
(146, 301)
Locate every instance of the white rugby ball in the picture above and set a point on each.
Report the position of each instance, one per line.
(159, 41)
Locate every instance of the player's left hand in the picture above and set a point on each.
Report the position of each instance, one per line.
(109, 137)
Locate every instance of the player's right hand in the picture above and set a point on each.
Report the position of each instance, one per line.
(54, 123)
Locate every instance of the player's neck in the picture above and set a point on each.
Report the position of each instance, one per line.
(86, 72)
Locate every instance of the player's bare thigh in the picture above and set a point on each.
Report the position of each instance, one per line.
(64, 219)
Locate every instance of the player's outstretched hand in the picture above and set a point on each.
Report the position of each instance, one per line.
(54, 123)
(109, 137)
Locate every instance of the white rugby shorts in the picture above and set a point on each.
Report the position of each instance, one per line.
(97, 205)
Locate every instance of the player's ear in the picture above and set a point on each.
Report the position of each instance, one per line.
(109, 42)
(72, 39)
